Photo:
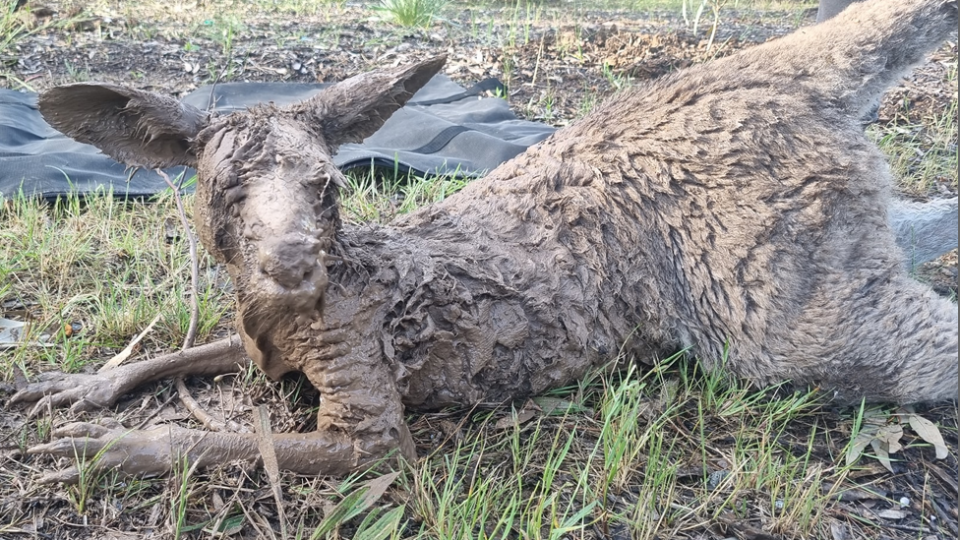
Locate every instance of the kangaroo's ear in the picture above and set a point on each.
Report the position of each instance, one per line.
(132, 126)
(355, 108)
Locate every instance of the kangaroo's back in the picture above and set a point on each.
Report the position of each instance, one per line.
(796, 267)
(734, 207)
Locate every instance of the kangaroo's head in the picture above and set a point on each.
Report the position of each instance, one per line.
(266, 189)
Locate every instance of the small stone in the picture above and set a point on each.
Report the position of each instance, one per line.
(713, 481)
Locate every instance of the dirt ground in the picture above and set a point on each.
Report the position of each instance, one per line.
(555, 69)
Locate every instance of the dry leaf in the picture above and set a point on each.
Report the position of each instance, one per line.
(883, 456)
(376, 488)
(507, 422)
(886, 442)
(268, 451)
(929, 432)
(853, 494)
(859, 444)
(838, 530)
(890, 435)
(552, 405)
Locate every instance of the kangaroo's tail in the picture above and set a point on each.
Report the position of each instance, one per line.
(852, 58)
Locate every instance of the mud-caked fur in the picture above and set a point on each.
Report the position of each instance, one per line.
(735, 205)
(734, 209)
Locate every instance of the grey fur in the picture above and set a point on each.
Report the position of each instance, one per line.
(924, 230)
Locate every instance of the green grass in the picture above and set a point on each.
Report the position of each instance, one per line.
(378, 195)
(109, 267)
(411, 13)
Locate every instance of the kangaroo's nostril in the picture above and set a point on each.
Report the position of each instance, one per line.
(289, 260)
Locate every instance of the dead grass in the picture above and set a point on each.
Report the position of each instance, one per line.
(664, 451)
(918, 127)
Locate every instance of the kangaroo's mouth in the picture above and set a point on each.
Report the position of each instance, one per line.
(283, 300)
(286, 274)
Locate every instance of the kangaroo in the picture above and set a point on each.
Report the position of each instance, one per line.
(734, 209)
(829, 8)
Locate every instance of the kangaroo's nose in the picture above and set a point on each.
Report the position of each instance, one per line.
(288, 258)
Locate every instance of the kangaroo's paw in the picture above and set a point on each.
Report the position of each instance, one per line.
(94, 448)
(83, 392)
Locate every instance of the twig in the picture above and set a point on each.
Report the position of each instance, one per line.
(270, 464)
(211, 423)
(156, 411)
(128, 350)
(194, 263)
(211, 103)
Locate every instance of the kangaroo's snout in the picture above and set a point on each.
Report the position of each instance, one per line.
(289, 259)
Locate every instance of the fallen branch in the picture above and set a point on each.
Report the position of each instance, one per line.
(209, 421)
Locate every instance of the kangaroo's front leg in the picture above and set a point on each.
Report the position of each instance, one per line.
(360, 400)
(89, 391)
(360, 422)
(155, 451)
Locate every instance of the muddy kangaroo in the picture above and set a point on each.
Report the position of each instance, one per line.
(732, 209)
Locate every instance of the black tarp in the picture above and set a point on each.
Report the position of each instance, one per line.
(444, 129)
